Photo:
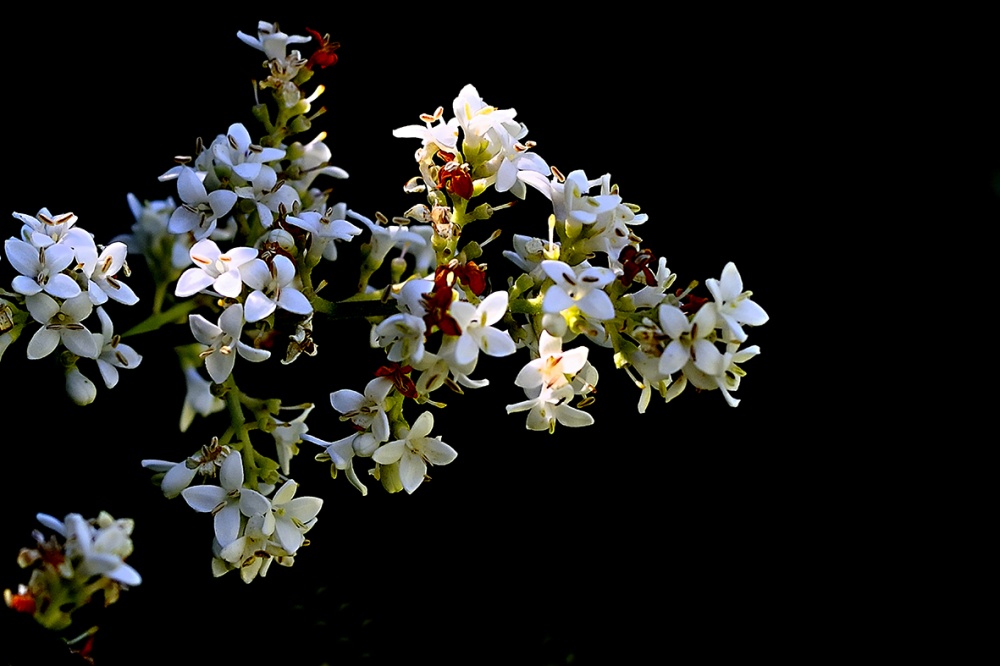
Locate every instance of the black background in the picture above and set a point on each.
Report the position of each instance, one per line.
(696, 526)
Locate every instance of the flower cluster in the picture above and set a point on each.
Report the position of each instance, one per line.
(68, 568)
(64, 278)
(233, 253)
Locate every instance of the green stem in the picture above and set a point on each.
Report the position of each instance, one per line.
(157, 320)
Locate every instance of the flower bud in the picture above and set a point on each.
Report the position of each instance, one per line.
(398, 267)
(554, 324)
(80, 389)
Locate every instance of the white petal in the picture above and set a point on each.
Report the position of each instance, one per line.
(192, 281)
(412, 469)
(42, 343)
(289, 535)
(437, 452)
(229, 284)
(227, 524)
(389, 453)
(252, 354)
(62, 286)
(256, 274)
(253, 503)
(190, 188)
(204, 498)
(422, 426)
(231, 473)
(177, 478)
(258, 306)
(294, 301)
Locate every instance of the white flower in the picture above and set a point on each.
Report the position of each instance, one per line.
(341, 454)
(252, 553)
(476, 324)
(178, 476)
(546, 406)
(200, 211)
(515, 158)
(652, 295)
(553, 368)
(434, 130)
(733, 304)
(727, 378)
(384, 238)
(583, 290)
(415, 451)
(228, 501)
(287, 435)
(528, 255)
(114, 354)
(97, 550)
(238, 152)
(571, 201)
(221, 341)
(45, 228)
(271, 40)
(325, 228)
(267, 196)
(688, 340)
(367, 411)
(314, 161)
(273, 288)
(104, 283)
(41, 268)
(293, 516)
(213, 267)
(403, 334)
(149, 235)
(61, 323)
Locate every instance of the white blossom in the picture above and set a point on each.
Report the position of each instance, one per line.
(414, 451)
(222, 341)
(227, 500)
(220, 270)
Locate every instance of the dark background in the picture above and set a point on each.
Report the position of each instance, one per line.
(695, 527)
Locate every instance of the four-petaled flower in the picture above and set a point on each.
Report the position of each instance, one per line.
(213, 267)
(201, 210)
(415, 451)
(227, 501)
(734, 304)
(222, 341)
(584, 290)
(245, 158)
(61, 323)
(271, 40)
(273, 287)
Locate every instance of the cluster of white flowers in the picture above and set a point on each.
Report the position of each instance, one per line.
(84, 557)
(236, 255)
(65, 278)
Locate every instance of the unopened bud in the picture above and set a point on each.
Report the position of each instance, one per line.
(80, 389)
(397, 268)
(554, 324)
(300, 124)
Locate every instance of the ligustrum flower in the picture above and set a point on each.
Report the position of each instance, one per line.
(222, 340)
(61, 323)
(228, 501)
(415, 451)
(274, 287)
(583, 290)
(212, 267)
